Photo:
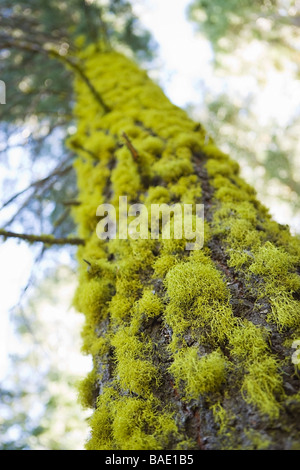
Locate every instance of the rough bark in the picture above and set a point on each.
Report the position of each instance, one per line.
(191, 349)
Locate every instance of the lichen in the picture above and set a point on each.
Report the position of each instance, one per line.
(200, 375)
(161, 323)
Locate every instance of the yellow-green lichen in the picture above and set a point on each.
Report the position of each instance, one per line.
(262, 386)
(130, 423)
(145, 148)
(199, 375)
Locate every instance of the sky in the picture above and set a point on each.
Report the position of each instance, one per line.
(184, 56)
(186, 64)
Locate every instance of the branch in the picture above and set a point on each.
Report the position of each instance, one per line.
(130, 147)
(46, 239)
(8, 42)
(76, 145)
(57, 172)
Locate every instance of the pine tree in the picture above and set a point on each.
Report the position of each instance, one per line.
(192, 349)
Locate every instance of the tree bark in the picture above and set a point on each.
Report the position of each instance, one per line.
(192, 349)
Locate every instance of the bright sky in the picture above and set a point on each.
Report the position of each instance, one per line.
(16, 262)
(184, 57)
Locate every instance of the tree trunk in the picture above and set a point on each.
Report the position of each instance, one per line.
(192, 349)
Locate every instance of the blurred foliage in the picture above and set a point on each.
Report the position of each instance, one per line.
(234, 22)
(268, 154)
(256, 43)
(38, 407)
(38, 115)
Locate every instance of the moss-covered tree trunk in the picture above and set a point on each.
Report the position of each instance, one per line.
(192, 349)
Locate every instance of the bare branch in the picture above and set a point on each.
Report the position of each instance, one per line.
(130, 147)
(59, 171)
(46, 239)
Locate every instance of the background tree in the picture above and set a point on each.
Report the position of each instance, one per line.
(255, 43)
(38, 405)
(38, 117)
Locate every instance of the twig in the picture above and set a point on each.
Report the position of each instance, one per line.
(46, 239)
(76, 145)
(57, 172)
(130, 147)
(71, 203)
(7, 42)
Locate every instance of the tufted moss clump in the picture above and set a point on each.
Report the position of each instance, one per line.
(200, 375)
(262, 386)
(130, 423)
(150, 304)
(188, 281)
(198, 298)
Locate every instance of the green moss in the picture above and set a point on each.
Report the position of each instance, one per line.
(277, 267)
(186, 282)
(138, 425)
(158, 195)
(125, 177)
(215, 321)
(124, 285)
(172, 169)
(153, 145)
(188, 140)
(187, 188)
(248, 341)
(101, 422)
(150, 304)
(134, 370)
(86, 390)
(219, 167)
(200, 375)
(221, 417)
(91, 297)
(285, 310)
(92, 344)
(136, 375)
(129, 423)
(163, 264)
(262, 385)
(257, 441)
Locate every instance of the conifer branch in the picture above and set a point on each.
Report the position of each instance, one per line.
(59, 171)
(9, 42)
(46, 239)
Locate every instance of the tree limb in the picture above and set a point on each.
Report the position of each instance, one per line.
(46, 239)
(8, 42)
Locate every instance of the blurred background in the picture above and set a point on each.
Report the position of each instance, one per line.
(234, 66)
